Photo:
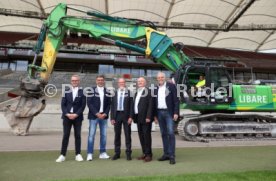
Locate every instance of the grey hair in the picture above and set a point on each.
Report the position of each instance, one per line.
(161, 73)
(76, 75)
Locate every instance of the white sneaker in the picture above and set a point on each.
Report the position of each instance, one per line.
(60, 159)
(89, 157)
(104, 155)
(79, 158)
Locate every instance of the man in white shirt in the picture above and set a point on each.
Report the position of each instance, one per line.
(166, 112)
(143, 116)
(72, 104)
(99, 105)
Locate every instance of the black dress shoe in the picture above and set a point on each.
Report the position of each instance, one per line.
(128, 157)
(172, 161)
(116, 157)
(163, 158)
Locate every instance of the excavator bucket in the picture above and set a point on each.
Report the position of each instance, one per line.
(19, 110)
(21, 113)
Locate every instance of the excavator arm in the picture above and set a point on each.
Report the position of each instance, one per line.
(116, 31)
(120, 32)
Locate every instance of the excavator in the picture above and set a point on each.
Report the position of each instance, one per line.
(227, 110)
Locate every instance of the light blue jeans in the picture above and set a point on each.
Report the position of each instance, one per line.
(92, 131)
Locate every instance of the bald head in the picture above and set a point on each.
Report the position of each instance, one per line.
(121, 83)
(141, 82)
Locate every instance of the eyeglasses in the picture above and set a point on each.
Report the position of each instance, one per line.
(75, 80)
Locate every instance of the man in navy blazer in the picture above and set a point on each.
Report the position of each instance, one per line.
(166, 112)
(72, 104)
(99, 105)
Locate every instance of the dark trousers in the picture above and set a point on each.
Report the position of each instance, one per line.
(166, 125)
(144, 132)
(67, 125)
(121, 120)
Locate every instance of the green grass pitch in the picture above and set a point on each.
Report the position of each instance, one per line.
(228, 163)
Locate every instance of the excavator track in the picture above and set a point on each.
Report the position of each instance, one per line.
(227, 127)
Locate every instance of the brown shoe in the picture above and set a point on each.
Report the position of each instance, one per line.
(141, 157)
(147, 159)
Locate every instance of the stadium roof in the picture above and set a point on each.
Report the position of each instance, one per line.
(235, 24)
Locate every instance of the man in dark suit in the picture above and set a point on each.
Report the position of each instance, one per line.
(166, 112)
(99, 105)
(143, 117)
(121, 111)
(72, 104)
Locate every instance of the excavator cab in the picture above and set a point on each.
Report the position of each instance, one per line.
(204, 85)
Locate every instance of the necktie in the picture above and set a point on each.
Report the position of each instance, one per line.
(121, 102)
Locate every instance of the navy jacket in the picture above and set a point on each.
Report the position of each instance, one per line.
(94, 103)
(78, 104)
(172, 100)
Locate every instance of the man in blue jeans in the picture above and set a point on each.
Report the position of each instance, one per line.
(166, 106)
(98, 102)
